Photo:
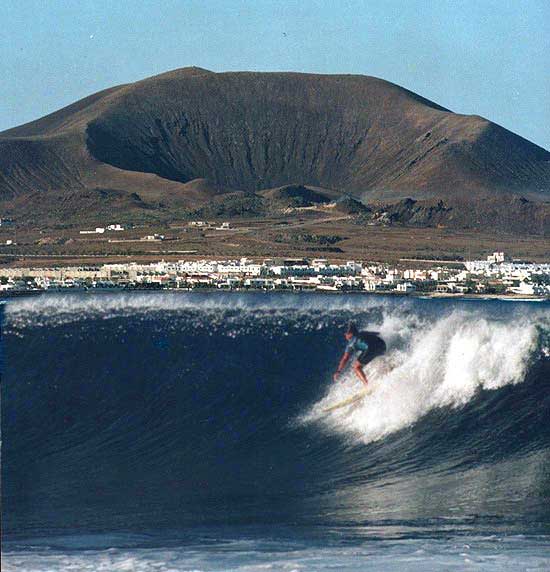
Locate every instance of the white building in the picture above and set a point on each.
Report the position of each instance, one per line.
(406, 287)
(153, 237)
(529, 289)
(374, 285)
(258, 283)
(496, 257)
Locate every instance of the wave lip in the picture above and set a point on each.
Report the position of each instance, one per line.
(49, 309)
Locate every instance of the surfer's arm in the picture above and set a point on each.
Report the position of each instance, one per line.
(342, 364)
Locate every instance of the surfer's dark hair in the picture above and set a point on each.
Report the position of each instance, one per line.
(352, 329)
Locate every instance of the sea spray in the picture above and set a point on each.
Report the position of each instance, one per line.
(431, 363)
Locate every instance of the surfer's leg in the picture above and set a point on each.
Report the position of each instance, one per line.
(358, 369)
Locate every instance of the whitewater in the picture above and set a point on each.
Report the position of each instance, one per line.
(169, 431)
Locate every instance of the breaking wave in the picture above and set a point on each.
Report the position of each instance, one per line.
(137, 410)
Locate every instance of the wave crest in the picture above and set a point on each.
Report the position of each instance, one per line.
(433, 364)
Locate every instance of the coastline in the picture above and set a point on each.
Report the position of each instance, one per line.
(4, 296)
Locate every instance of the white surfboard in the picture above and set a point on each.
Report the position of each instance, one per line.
(349, 400)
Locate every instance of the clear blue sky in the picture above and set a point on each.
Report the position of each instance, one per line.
(488, 57)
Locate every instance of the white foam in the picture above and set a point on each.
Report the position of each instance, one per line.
(490, 554)
(431, 365)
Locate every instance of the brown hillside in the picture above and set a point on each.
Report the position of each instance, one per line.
(181, 138)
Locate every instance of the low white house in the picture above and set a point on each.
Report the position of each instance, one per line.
(374, 285)
(496, 257)
(406, 287)
(153, 237)
(523, 288)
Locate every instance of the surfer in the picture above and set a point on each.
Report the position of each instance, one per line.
(369, 345)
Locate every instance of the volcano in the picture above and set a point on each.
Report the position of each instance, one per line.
(179, 139)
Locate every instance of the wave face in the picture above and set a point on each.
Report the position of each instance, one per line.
(142, 411)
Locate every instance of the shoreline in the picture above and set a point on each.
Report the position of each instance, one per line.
(4, 296)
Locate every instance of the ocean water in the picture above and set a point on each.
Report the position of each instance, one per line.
(169, 431)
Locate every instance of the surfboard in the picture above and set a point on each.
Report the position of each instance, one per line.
(349, 400)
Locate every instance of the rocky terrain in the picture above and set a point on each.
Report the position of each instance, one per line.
(245, 144)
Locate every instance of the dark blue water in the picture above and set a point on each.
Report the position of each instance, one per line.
(187, 431)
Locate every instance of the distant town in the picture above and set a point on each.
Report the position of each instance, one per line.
(496, 275)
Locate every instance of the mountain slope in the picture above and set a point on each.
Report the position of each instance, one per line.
(250, 131)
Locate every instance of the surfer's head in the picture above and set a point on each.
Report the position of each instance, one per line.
(352, 331)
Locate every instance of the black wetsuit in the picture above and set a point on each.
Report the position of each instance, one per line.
(375, 346)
